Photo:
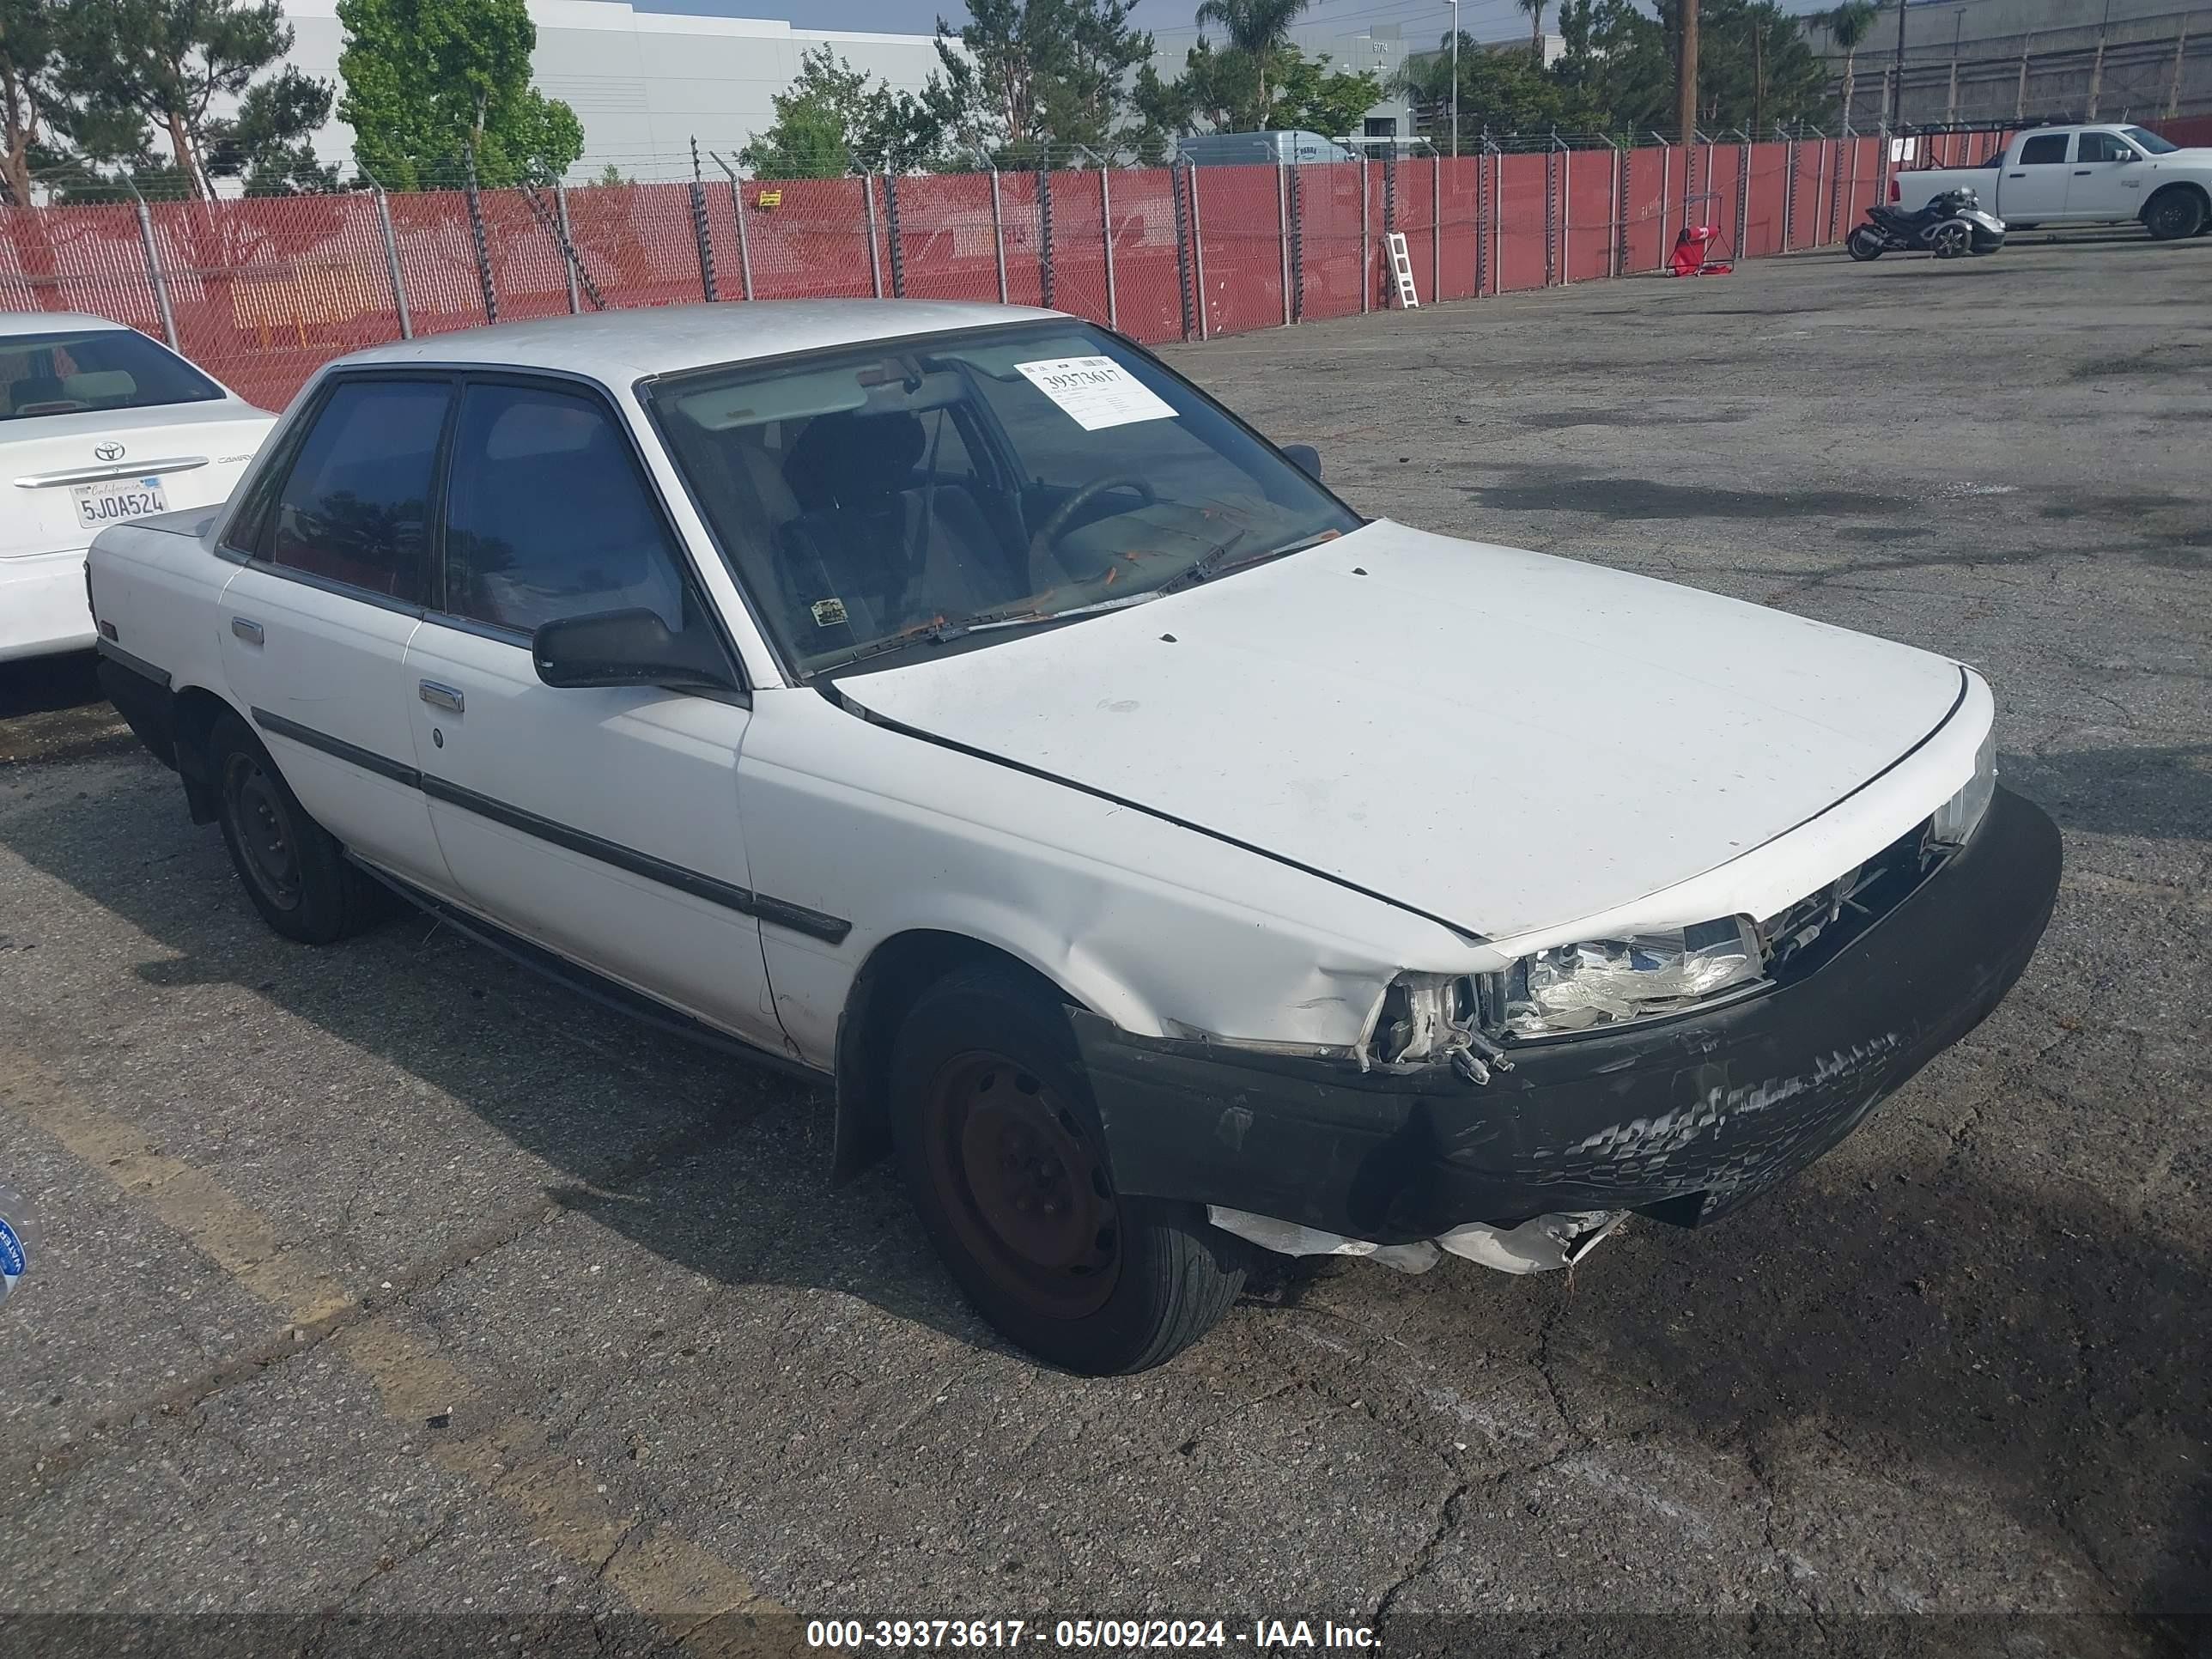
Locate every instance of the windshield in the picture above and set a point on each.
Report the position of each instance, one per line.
(93, 368)
(2148, 141)
(905, 492)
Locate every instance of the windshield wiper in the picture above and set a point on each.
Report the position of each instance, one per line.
(1203, 566)
(1216, 559)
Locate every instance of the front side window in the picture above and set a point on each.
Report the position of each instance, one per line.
(2046, 150)
(905, 492)
(354, 506)
(2105, 147)
(547, 517)
(74, 371)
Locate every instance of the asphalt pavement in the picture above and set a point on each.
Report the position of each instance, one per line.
(393, 1300)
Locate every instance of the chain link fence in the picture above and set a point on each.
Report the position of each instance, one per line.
(262, 291)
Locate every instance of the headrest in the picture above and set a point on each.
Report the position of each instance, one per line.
(847, 458)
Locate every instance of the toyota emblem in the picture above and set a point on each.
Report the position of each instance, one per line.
(107, 452)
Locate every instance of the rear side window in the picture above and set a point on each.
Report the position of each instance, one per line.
(72, 371)
(2047, 150)
(354, 506)
(547, 516)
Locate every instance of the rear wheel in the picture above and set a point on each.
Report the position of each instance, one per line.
(1864, 243)
(293, 870)
(1000, 1148)
(2174, 214)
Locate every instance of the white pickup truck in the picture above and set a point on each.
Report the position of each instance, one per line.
(2087, 175)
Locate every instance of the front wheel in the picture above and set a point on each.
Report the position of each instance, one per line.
(1000, 1144)
(1950, 240)
(1864, 243)
(2173, 215)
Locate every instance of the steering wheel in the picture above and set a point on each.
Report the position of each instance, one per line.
(1049, 532)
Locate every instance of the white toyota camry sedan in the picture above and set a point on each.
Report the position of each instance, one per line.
(98, 424)
(1163, 860)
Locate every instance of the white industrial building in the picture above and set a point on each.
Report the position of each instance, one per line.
(644, 83)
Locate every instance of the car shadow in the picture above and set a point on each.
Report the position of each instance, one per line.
(2164, 793)
(2046, 1342)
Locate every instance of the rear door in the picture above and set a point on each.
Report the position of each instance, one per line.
(2106, 180)
(599, 822)
(315, 626)
(2034, 187)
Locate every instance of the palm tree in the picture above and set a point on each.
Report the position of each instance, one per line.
(1535, 10)
(1847, 26)
(1256, 27)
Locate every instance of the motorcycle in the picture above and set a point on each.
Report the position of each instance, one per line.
(1951, 225)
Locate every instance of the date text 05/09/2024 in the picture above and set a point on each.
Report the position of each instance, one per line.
(1118, 1635)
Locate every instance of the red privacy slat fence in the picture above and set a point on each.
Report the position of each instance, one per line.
(263, 291)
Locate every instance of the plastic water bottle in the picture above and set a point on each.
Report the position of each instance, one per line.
(19, 1234)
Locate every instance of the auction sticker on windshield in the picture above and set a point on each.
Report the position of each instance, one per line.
(1096, 391)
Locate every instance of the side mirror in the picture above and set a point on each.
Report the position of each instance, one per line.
(2126, 155)
(627, 647)
(1305, 458)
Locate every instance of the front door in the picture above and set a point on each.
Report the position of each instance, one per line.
(2034, 188)
(601, 823)
(2106, 179)
(315, 624)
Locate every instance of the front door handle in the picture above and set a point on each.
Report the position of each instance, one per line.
(246, 628)
(2081, 173)
(441, 696)
(2015, 175)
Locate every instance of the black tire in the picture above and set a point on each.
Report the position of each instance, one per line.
(2175, 214)
(291, 867)
(1864, 243)
(1951, 240)
(999, 1141)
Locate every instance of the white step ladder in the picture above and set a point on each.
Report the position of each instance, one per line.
(1401, 268)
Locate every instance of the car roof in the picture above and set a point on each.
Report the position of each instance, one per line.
(614, 346)
(51, 322)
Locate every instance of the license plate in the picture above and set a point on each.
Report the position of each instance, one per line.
(98, 505)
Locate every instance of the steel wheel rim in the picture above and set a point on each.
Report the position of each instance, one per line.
(262, 828)
(1024, 1185)
(2169, 216)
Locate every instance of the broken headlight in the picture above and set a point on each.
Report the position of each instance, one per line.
(1606, 981)
(1958, 818)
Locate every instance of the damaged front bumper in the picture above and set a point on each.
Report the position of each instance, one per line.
(1680, 1118)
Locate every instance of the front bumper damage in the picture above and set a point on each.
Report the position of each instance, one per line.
(1682, 1119)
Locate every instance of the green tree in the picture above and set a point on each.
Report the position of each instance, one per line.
(138, 67)
(1257, 30)
(1535, 10)
(34, 111)
(832, 120)
(268, 139)
(428, 82)
(1312, 97)
(1021, 75)
(1500, 91)
(1847, 26)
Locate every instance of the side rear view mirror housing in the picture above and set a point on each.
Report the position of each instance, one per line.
(627, 647)
(1305, 458)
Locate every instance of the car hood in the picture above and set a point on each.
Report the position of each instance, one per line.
(1504, 740)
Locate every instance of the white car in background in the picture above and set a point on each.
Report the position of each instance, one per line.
(98, 424)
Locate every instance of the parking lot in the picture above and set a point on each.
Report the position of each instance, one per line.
(406, 1302)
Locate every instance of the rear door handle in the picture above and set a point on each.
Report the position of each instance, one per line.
(246, 628)
(441, 696)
